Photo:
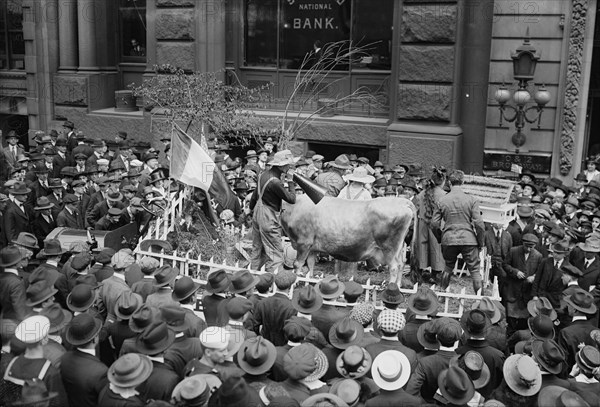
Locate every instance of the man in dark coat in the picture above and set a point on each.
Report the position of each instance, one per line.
(517, 227)
(463, 230)
(272, 312)
(323, 319)
(184, 291)
(113, 200)
(421, 306)
(498, 243)
(217, 284)
(56, 196)
(520, 266)
(83, 375)
(12, 286)
(44, 221)
(590, 264)
(110, 221)
(69, 217)
(392, 393)
(18, 216)
(548, 280)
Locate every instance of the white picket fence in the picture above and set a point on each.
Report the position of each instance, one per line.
(161, 226)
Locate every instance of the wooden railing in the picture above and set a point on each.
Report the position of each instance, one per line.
(161, 226)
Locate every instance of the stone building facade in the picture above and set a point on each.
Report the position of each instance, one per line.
(435, 64)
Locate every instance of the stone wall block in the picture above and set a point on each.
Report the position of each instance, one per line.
(424, 102)
(175, 3)
(70, 90)
(175, 25)
(180, 55)
(426, 63)
(429, 23)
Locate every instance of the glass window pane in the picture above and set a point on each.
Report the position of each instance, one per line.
(133, 30)
(308, 26)
(14, 14)
(261, 33)
(373, 21)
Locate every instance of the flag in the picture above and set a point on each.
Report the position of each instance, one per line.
(191, 164)
(516, 168)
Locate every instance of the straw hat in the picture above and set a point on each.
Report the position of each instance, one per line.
(360, 174)
(390, 370)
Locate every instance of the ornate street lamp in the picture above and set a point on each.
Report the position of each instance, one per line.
(524, 64)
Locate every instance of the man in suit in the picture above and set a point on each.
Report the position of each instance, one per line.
(62, 159)
(113, 200)
(110, 221)
(56, 196)
(110, 291)
(272, 312)
(18, 216)
(70, 135)
(12, 286)
(498, 243)
(135, 213)
(519, 267)
(44, 221)
(420, 307)
(184, 291)
(69, 217)
(582, 307)
(83, 374)
(185, 347)
(12, 151)
(83, 200)
(216, 286)
(100, 194)
(463, 230)
(590, 264)
(323, 319)
(40, 187)
(548, 280)
(517, 227)
(4, 200)
(98, 147)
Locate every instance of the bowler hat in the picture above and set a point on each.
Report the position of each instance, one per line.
(217, 281)
(183, 288)
(242, 281)
(345, 332)
(392, 294)
(582, 301)
(142, 318)
(130, 370)
(256, 355)
(548, 355)
(165, 275)
(155, 339)
(81, 298)
(541, 326)
(353, 362)
(39, 291)
(26, 240)
(174, 317)
(34, 393)
(423, 302)
(127, 303)
(455, 385)
(307, 299)
(82, 329)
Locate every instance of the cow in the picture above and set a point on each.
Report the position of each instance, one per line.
(350, 230)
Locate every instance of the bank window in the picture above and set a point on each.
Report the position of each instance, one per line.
(282, 33)
(12, 44)
(132, 16)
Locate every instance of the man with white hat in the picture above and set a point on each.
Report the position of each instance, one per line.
(267, 248)
(215, 341)
(356, 189)
(33, 332)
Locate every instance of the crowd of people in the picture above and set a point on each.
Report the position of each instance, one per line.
(85, 326)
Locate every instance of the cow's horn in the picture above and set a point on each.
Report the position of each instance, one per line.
(314, 191)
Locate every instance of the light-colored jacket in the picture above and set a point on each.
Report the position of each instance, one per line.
(462, 216)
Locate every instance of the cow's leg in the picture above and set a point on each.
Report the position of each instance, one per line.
(310, 263)
(303, 253)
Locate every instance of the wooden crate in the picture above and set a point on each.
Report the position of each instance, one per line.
(502, 214)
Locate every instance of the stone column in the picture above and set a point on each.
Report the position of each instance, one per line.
(67, 35)
(86, 13)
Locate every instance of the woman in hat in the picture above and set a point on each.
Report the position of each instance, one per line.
(591, 172)
(428, 249)
(357, 188)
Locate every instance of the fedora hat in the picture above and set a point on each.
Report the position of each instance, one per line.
(548, 355)
(155, 246)
(423, 302)
(242, 281)
(559, 247)
(541, 326)
(130, 370)
(256, 356)
(183, 288)
(354, 362)
(217, 282)
(360, 174)
(26, 240)
(345, 332)
(114, 196)
(427, 336)
(392, 294)
(489, 308)
(251, 154)
(348, 390)
(58, 317)
(330, 287)
(9, 256)
(557, 396)
(81, 298)
(34, 393)
(541, 306)
(142, 318)
(192, 391)
(19, 188)
(281, 158)
(82, 329)
(165, 275)
(43, 203)
(235, 392)
(307, 299)
(174, 317)
(155, 339)
(473, 364)
(455, 385)
(582, 301)
(342, 162)
(592, 244)
(522, 375)
(33, 329)
(475, 323)
(39, 291)
(390, 370)
(127, 303)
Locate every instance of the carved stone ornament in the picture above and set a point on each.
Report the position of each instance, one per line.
(573, 85)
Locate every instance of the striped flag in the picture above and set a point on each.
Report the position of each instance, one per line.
(190, 163)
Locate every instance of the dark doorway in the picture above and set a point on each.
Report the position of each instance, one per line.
(18, 123)
(593, 111)
(330, 151)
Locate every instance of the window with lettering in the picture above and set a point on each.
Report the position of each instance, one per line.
(12, 44)
(132, 16)
(285, 33)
